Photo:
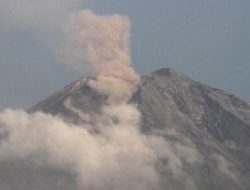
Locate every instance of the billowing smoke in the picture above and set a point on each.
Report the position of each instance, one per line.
(103, 43)
(114, 156)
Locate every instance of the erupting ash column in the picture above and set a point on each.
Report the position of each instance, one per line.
(103, 43)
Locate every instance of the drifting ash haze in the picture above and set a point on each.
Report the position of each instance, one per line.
(43, 151)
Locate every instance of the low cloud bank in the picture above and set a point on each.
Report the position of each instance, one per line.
(119, 157)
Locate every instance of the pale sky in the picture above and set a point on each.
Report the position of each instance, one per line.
(208, 40)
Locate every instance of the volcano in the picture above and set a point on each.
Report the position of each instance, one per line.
(183, 112)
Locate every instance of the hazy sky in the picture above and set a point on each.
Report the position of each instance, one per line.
(209, 40)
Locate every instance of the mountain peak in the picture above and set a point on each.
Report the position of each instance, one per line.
(169, 72)
(166, 71)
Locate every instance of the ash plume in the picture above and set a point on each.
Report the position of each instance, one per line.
(102, 42)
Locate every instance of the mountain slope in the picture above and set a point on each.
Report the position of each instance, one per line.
(209, 125)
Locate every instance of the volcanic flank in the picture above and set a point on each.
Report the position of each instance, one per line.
(119, 131)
